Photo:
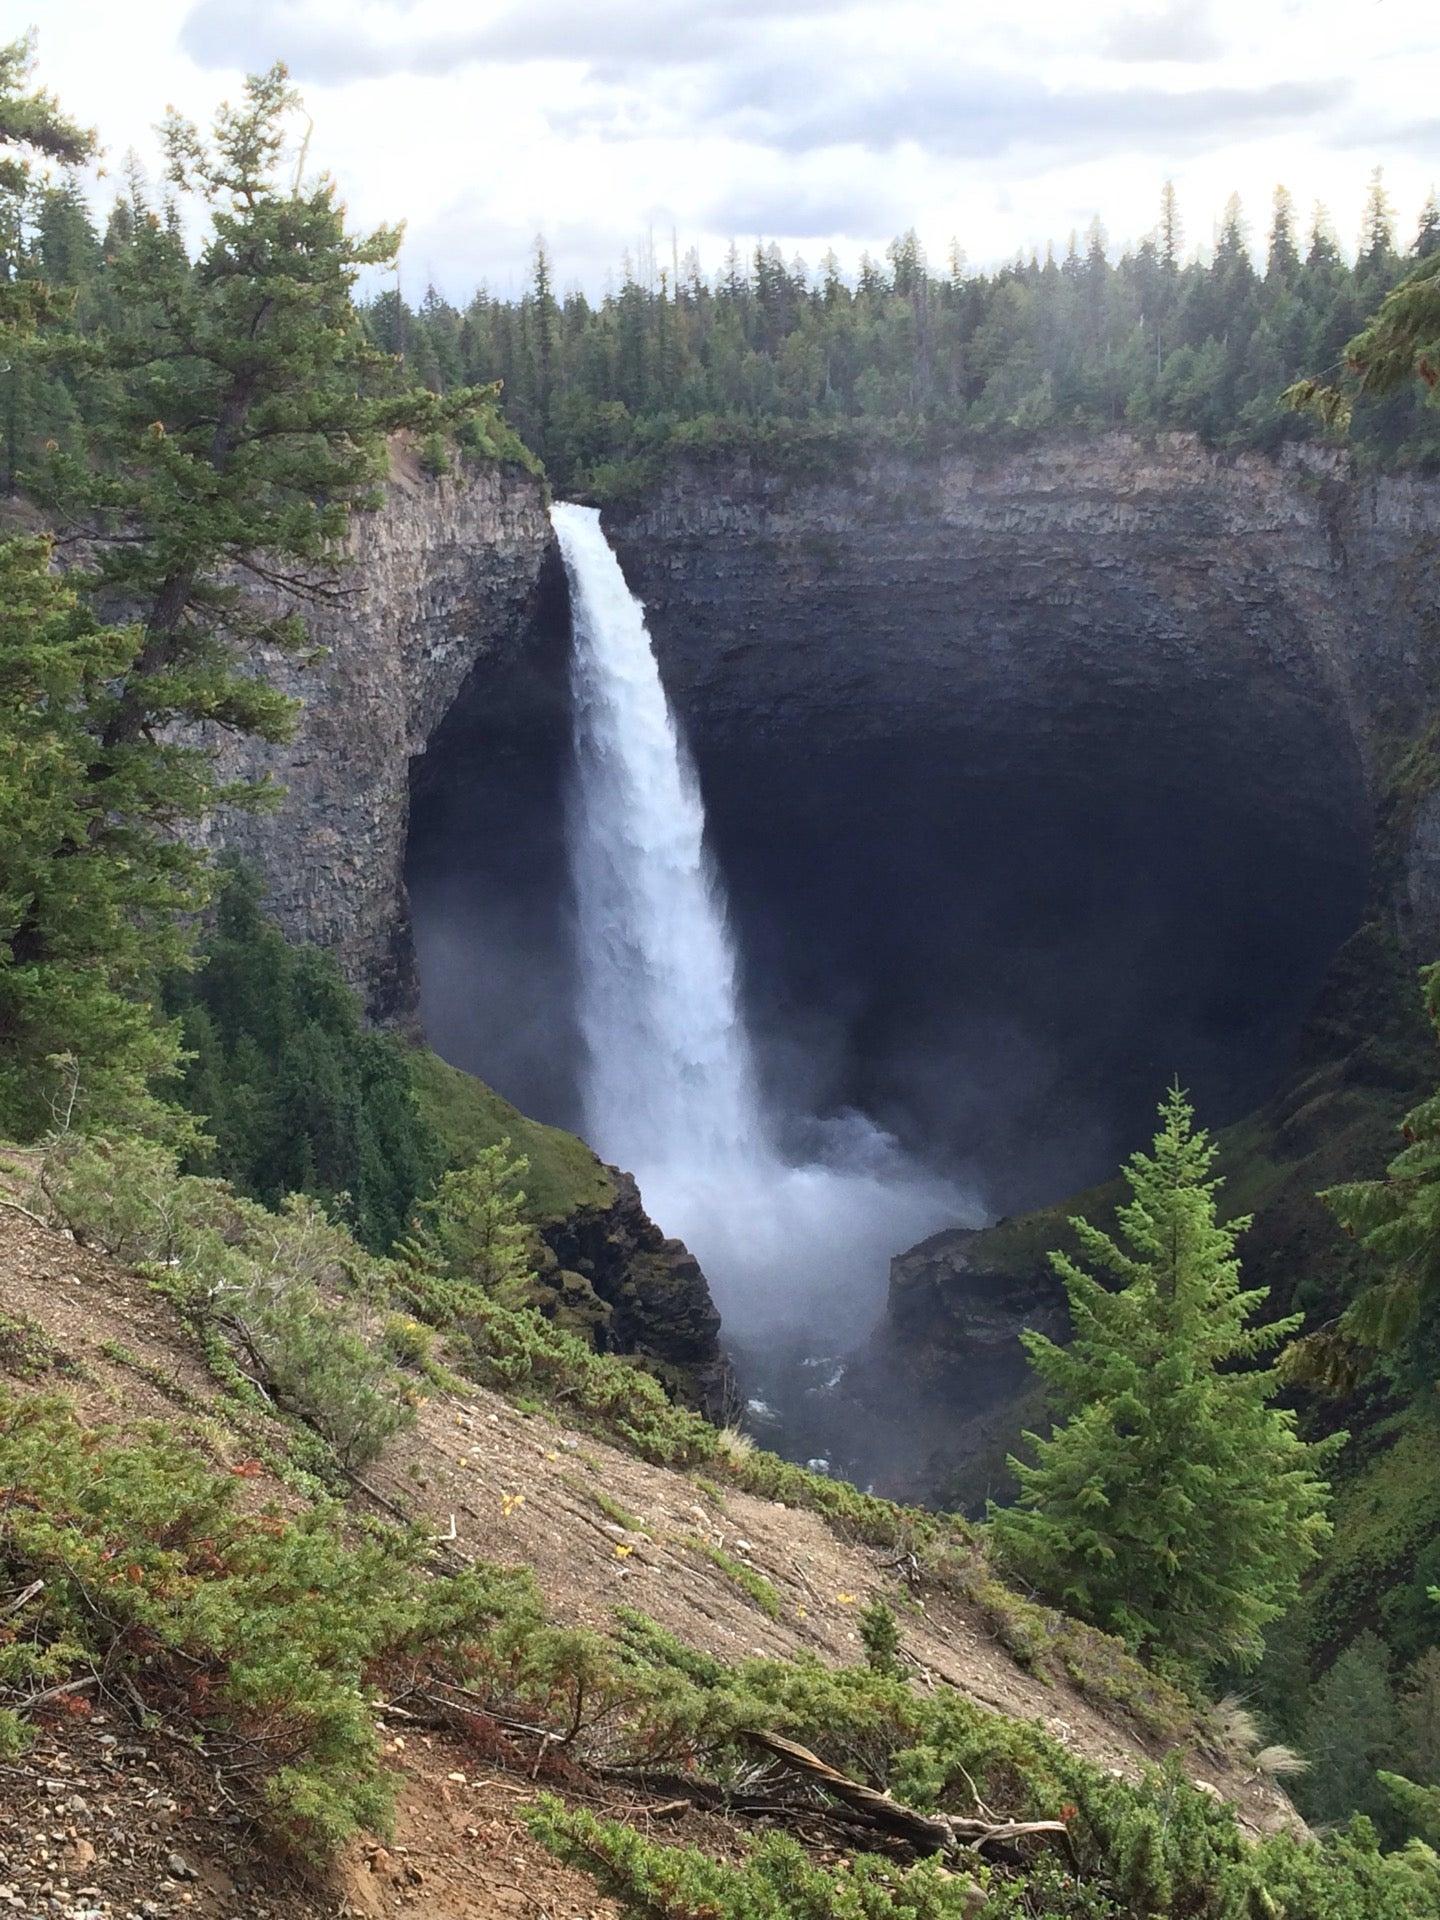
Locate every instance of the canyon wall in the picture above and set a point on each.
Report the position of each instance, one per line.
(1018, 603)
(444, 582)
(1032, 594)
(1241, 652)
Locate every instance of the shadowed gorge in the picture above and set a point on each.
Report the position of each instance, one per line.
(1015, 821)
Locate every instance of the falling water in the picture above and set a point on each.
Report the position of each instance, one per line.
(669, 1059)
(671, 1090)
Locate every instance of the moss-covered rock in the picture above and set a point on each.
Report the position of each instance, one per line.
(612, 1276)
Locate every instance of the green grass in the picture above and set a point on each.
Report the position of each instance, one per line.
(564, 1175)
(612, 1510)
(746, 1578)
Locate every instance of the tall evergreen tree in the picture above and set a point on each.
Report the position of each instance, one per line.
(1171, 232)
(1351, 1729)
(1282, 260)
(1397, 1221)
(238, 415)
(1376, 252)
(1172, 1503)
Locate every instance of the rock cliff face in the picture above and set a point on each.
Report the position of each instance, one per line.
(445, 585)
(452, 585)
(1035, 596)
(1081, 742)
(1143, 705)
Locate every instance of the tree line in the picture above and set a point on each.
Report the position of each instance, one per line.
(1152, 340)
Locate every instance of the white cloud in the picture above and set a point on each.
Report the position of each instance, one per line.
(600, 122)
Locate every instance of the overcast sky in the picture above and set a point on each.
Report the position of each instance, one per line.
(1003, 123)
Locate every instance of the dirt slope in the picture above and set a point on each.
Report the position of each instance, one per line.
(600, 1529)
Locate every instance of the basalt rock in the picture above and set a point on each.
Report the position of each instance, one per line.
(635, 1291)
(442, 585)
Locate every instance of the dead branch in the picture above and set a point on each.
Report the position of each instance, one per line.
(21, 1599)
(925, 1832)
(14, 1206)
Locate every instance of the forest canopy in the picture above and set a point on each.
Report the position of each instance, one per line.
(1155, 339)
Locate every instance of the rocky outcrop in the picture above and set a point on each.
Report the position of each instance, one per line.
(635, 1291)
(442, 584)
(1031, 596)
(961, 1299)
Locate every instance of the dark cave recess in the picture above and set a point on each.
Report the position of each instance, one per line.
(998, 928)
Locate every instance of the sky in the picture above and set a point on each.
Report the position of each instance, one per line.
(635, 126)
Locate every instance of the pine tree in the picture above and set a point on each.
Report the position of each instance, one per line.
(473, 1229)
(1427, 237)
(1376, 252)
(82, 936)
(1170, 228)
(1172, 1503)
(299, 1097)
(1420, 1717)
(1350, 1729)
(31, 127)
(1282, 260)
(1397, 1220)
(239, 414)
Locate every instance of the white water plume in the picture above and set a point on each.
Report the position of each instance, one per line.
(671, 1091)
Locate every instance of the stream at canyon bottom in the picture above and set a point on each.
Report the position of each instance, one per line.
(796, 1245)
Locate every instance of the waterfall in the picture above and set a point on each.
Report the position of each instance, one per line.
(669, 1061)
(670, 1089)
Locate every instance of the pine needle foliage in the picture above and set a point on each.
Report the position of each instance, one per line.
(296, 1095)
(84, 925)
(1397, 1221)
(234, 415)
(1172, 1503)
(1398, 345)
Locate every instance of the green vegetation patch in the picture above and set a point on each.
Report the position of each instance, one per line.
(263, 1632)
(751, 1583)
(26, 1350)
(563, 1174)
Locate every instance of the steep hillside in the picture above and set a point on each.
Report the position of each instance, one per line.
(117, 1817)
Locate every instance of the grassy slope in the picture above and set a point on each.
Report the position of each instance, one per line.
(564, 1175)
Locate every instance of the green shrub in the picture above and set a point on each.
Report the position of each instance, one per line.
(271, 1283)
(264, 1632)
(749, 1581)
(776, 1881)
(880, 1637)
(434, 455)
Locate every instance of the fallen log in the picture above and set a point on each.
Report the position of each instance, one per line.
(925, 1832)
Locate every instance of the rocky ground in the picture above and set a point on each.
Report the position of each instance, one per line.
(100, 1823)
(101, 1819)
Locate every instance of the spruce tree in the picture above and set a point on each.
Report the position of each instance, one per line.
(1397, 1221)
(238, 416)
(1351, 1729)
(1172, 1503)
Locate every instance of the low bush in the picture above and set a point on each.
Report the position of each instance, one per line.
(264, 1633)
(278, 1288)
